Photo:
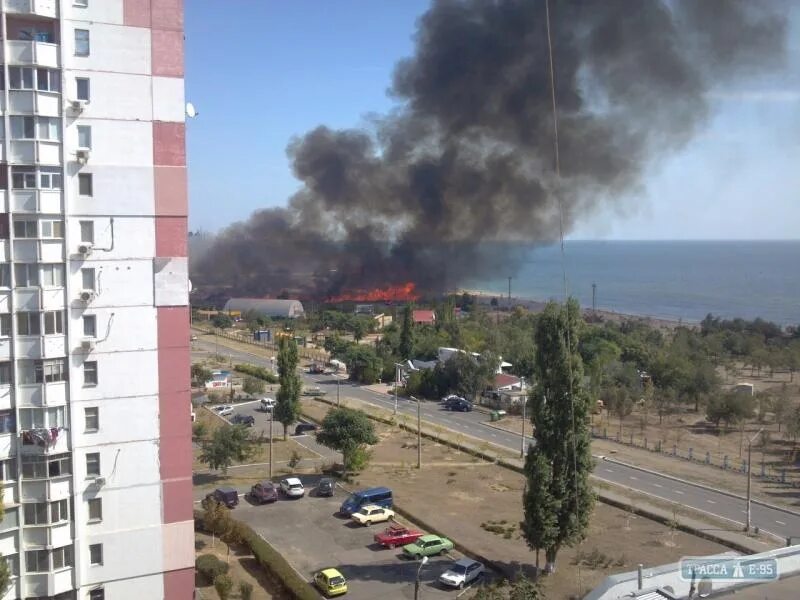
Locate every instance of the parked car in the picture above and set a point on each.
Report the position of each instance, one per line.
(326, 487)
(460, 404)
(397, 535)
(292, 487)
(330, 582)
(267, 404)
(461, 573)
(264, 492)
(246, 420)
(382, 496)
(371, 513)
(225, 495)
(428, 545)
(303, 428)
(450, 397)
(313, 391)
(223, 410)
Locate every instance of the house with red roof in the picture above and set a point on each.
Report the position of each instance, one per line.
(424, 317)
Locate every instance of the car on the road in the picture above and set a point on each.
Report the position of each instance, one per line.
(330, 582)
(246, 420)
(397, 535)
(314, 391)
(225, 495)
(450, 397)
(223, 410)
(303, 428)
(460, 404)
(292, 487)
(326, 487)
(264, 492)
(371, 513)
(428, 545)
(267, 404)
(461, 573)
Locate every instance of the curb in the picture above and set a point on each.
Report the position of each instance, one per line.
(702, 486)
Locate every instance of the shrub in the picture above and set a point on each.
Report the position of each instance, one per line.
(210, 567)
(224, 585)
(257, 372)
(199, 429)
(245, 590)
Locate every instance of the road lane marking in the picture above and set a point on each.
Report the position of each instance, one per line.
(658, 485)
(609, 470)
(633, 478)
(710, 501)
(780, 523)
(678, 492)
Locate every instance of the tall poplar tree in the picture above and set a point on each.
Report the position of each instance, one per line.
(287, 405)
(558, 500)
(406, 347)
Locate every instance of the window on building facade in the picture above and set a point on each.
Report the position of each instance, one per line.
(8, 469)
(10, 520)
(7, 421)
(59, 511)
(82, 91)
(20, 78)
(93, 464)
(48, 128)
(52, 275)
(90, 372)
(96, 554)
(85, 187)
(36, 561)
(54, 322)
(6, 373)
(5, 275)
(44, 371)
(23, 128)
(62, 557)
(92, 418)
(26, 275)
(48, 80)
(80, 3)
(97, 594)
(51, 229)
(81, 42)
(87, 279)
(84, 136)
(41, 418)
(96, 509)
(28, 323)
(26, 178)
(90, 325)
(87, 231)
(21, 180)
(41, 467)
(35, 513)
(5, 325)
(25, 228)
(49, 180)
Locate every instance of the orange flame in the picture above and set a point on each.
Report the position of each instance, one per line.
(406, 292)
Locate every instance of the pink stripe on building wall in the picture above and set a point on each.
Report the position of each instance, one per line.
(179, 585)
(171, 237)
(169, 144)
(171, 189)
(136, 13)
(167, 52)
(167, 14)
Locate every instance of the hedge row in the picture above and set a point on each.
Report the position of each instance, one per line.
(271, 561)
(257, 372)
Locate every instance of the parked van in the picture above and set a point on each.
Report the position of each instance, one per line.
(382, 496)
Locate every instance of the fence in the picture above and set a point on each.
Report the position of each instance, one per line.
(306, 353)
(761, 469)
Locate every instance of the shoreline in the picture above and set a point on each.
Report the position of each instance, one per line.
(485, 297)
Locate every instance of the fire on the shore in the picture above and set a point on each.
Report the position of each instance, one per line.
(396, 293)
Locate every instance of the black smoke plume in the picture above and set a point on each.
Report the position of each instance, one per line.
(466, 160)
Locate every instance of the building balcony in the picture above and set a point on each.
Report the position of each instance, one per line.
(40, 8)
(48, 251)
(47, 585)
(41, 394)
(43, 441)
(3, 201)
(54, 535)
(35, 152)
(46, 490)
(8, 445)
(5, 349)
(8, 543)
(38, 346)
(34, 102)
(33, 53)
(37, 201)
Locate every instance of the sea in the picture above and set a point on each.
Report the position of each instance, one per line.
(675, 280)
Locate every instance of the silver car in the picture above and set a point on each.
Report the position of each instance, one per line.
(292, 487)
(461, 573)
(224, 410)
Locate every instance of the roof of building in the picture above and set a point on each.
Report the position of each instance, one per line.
(270, 307)
(424, 316)
(502, 380)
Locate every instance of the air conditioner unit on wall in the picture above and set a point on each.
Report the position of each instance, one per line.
(87, 296)
(78, 105)
(85, 248)
(88, 344)
(99, 480)
(82, 155)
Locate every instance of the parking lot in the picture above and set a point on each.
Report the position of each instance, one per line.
(311, 536)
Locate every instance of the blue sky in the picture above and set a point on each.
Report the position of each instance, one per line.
(262, 71)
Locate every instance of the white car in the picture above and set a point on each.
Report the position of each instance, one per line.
(223, 410)
(267, 404)
(292, 487)
(372, 513)
(461, 573)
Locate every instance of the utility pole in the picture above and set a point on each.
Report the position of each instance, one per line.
(750, 475)
(522, 442)
(271, 419)
(396, 384)
(419, 432)
(419, 572)
(594, 297)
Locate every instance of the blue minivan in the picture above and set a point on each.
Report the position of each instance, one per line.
(382, 496)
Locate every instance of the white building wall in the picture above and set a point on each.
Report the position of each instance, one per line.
(128, 283)
(122, 420)
(127, 554)
(127, 143)
(102, 11)
(120, 375)
(138, 588)
(129, 238)
(113, 95)
(112, 48)
(131, 188)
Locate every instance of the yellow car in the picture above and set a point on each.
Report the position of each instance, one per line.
(330, 582)
(371, 513)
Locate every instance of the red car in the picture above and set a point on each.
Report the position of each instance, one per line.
(397, 535)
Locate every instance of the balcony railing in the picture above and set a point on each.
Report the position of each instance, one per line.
(43, 440)
(32, 52)
(42, 8)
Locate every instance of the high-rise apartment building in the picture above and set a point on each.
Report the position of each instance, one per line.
(95, 452)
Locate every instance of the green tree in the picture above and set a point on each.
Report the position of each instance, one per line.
(467, 376)
(620, 403)
(347, 431)
(200, 375)
(557, 470)
(253, 386)
(287, 402)
(221, 321)
(782, 406)
(245, 590)
(730, 408)
(227, 445)
(363, 364)
(406, 348)
(224, 586)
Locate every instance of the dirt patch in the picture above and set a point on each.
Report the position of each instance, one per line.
(242, 567)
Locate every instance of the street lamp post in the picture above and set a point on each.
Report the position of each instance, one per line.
(422, 563)
(522, 442)
(750, 475)
(419, 432)
(271, 419)
(396, 384)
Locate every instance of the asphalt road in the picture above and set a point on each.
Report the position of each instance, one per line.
(309, 534)
(770, 520)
